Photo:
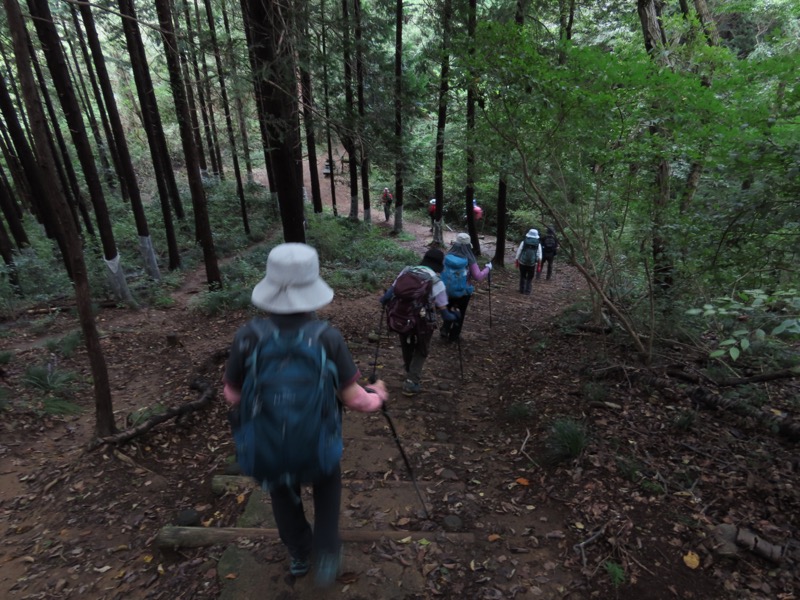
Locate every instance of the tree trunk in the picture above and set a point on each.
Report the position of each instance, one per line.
(57, 203)
(363, 147)
(325, 84)
(499, 258)
(399, 163)
(348, 138)
(205, 82)
(232, 58)
(48, 36)
(191, 85)
(308, 110)
(11, 213)
(469, 192)
(151, 118)
(202, 226)
(127, 172)
(441, 123)
(237, 173)
(275, 82)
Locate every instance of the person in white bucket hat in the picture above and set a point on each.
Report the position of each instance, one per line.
(290, 292)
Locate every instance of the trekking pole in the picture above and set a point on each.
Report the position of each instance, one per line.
(378, 346)
(405, 460)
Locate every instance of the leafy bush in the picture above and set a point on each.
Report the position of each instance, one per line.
(615, 572)
(753, 321)
(67, 345)
(49, 379)
(566, 440)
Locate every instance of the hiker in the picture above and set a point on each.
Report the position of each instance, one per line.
(460, 267)
(477, 211)
(528, 259)
(549, 251)
(432, 211)
(387, 200)
(411, 304)
(291, 292)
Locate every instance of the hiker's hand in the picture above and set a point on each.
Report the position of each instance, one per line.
(387, 296)
(489, 266)
(378, 388)
(449, 315)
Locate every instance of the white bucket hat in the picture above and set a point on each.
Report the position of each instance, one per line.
(463, 238)
(533, 233)
(292, 283)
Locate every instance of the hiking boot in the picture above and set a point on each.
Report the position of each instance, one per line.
(299, 567)
(410, 388)
(327, 568)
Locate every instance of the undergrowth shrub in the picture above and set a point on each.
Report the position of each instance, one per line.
(66, 345)
(566, 440)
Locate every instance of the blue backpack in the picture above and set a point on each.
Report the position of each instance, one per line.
(290, 429)
(454, 276)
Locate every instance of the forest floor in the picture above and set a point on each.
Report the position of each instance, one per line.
(630, 518)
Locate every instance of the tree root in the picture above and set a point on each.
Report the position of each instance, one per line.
(207, 394)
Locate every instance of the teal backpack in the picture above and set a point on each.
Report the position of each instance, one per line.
(529, 256)
(290, 429)
(454, 276)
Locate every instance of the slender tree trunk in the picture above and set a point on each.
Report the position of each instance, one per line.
(212, 30)
(441, 123)
(12, 214)
(57, 204)
(363, 147)
(48, 36)
(201, 107)
(127, 171)
(275, 81)
(151, 117)
(348, 139)
(239, 104)
(191, 84)
(399, 164)
(498, 260)
(213, 140)
(325, 84)
(308, 110)
(202, 227)
(469, 192)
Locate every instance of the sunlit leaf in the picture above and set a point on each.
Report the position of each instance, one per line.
(691, 560)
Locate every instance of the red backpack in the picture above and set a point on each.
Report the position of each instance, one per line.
(410, 310)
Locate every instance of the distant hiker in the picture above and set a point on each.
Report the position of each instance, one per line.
(527, 259)
(477, 211)
(432, 211)
(460, 267)
(549, 251)
(285, 380)
(387, 200)
(411, 303)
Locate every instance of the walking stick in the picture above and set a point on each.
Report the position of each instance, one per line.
(460, 358)
(405, 460)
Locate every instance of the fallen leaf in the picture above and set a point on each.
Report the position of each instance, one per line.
(691, 559)
(522, 481)
(493, 537)
(231, 576)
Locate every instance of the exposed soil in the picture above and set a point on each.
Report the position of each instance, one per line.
(621, 521)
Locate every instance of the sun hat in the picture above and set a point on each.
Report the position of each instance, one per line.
(292, 283)
(532, 233)
(463, 238)
(433, 259)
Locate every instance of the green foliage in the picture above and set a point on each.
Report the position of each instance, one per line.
(566, 440)
(594, 392)
(66, 345)
(615, 572)
(685, 420)
(628, 468)
(59, 406)
(519, 411)
(6, 356)
(762, 324)
(49, 379)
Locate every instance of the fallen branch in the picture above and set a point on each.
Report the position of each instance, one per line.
(207, 395)
(582, 545)
(196, 537)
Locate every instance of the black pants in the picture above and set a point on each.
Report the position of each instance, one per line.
(387, 209)
(415, 350)
(549, 261)
(526, 274)
(293, 526)
(452, 329)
